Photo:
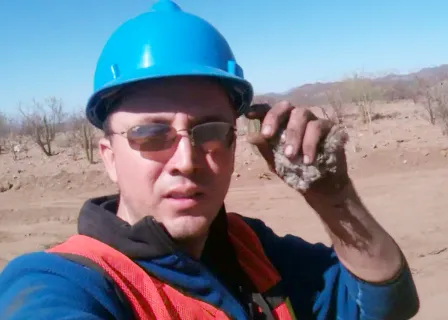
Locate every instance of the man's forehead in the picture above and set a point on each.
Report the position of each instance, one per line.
(166, 105)
(169, 95)
(190, 86)
(141, 111)
(176, 93)
(170, 117)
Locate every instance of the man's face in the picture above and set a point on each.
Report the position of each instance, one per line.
(182, 187)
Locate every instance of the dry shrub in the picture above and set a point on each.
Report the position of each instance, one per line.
(425, 95)
(41, 121)
(5, 131)
(439, 96)
(334, 98)
(83, 134)
(362, 93)
(390, 116)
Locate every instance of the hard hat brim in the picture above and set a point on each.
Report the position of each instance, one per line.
(238, 88)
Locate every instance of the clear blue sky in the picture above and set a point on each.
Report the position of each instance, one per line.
(50, 47)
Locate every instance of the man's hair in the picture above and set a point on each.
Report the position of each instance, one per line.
(107, 131)
(113, 103)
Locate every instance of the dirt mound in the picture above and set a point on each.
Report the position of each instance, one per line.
(85, 180)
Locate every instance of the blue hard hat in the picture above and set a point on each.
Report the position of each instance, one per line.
(165, 42)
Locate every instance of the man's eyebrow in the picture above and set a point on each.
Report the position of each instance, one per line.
(209, 118)
(167, 119)
(155, 118)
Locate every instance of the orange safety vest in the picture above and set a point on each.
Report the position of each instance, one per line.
(151, 298)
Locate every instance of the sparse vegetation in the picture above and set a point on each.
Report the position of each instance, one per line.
(439, 96)
(434, 99)
(4, 129)
(52, 130)
(83, 134)
(362, 92)
(399, 91)
(336, 102)
(41, 121)
(48, 126)
(425, 95)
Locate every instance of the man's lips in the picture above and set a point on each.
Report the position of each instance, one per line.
(183, 198)
(184, 193)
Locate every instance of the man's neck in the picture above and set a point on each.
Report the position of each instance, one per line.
(124, 214)
(191, 246)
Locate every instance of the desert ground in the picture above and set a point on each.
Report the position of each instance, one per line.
(399, 165)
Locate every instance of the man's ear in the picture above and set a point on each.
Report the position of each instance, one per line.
(108, 156)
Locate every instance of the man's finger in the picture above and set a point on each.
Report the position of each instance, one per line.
(275, 118)
(258, 111)
(316, 130)
(295, 131)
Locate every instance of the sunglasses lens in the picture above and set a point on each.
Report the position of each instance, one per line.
(151, 137)
(210, 136)
(213, 135)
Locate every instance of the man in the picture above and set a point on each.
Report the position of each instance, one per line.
(167, 95)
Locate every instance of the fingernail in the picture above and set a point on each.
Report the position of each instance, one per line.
(283, 137)
(306, 159)
(266, 130)
(288, 151)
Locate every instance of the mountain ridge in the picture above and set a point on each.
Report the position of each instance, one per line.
(394, 87)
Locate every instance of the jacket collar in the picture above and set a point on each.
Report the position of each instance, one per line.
(145, 239)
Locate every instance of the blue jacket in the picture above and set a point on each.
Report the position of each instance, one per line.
(47, 286)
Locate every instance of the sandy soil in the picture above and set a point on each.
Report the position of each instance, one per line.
(399, 167)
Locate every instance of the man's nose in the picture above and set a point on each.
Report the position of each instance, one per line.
(185, 158)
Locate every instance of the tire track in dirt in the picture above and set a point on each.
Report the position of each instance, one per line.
(34, 226)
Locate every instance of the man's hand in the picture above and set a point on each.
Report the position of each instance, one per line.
(360, 242)
(303, 132)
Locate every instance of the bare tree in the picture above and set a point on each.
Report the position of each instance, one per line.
(336, 102)
(325, 113)
(41, 122)
(4, 130)
(425, 94)
(363, 93)
(83, 134)
(439, 96)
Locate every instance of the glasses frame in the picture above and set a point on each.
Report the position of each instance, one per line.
(190, 132)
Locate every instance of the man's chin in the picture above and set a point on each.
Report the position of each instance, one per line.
(185, 227)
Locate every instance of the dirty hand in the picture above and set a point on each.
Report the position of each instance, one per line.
(303, 133)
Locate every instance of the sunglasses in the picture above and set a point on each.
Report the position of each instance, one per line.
(209, 136)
